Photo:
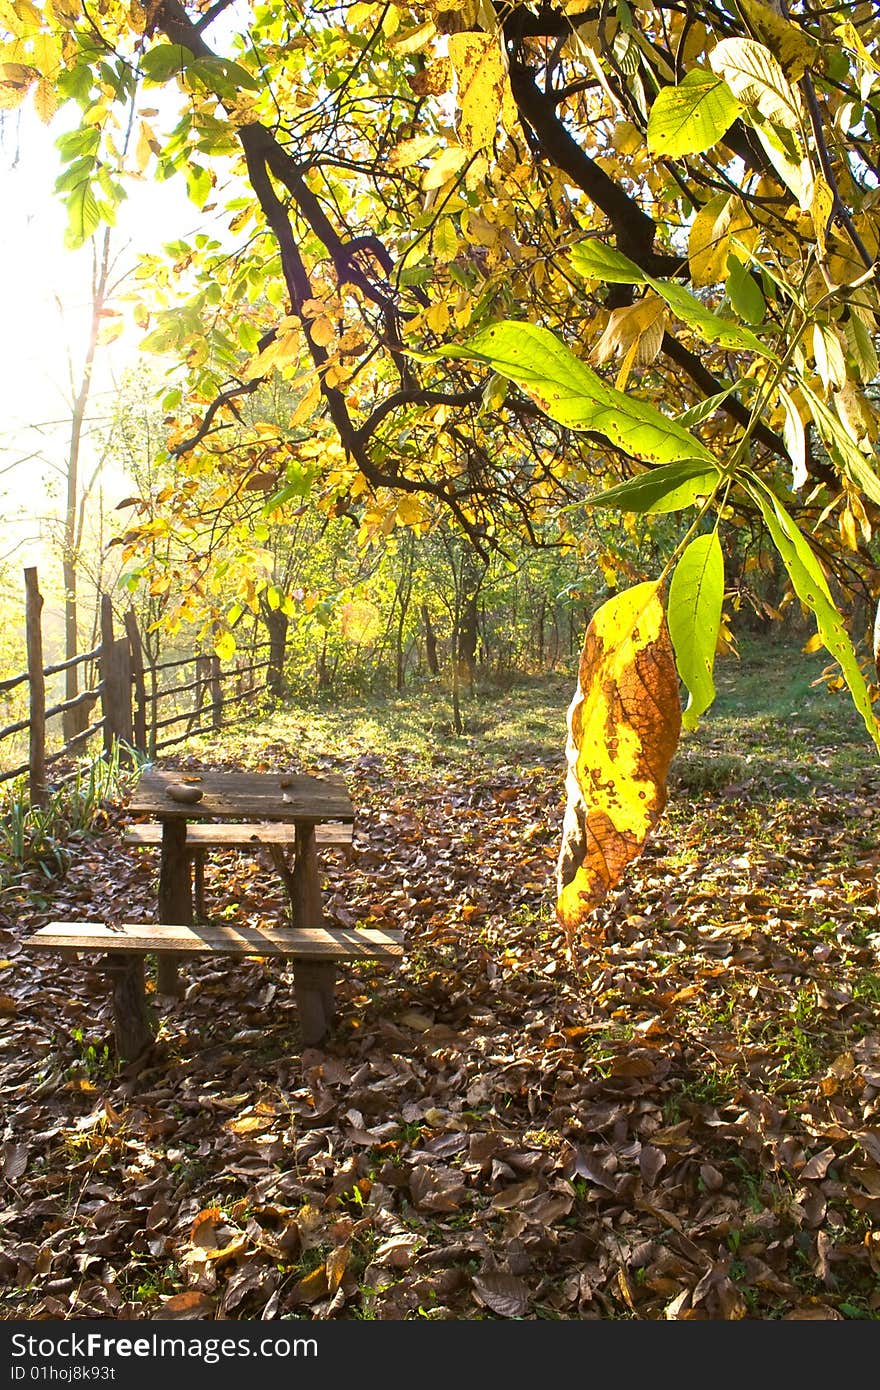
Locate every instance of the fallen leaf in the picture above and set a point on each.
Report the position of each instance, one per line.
(504, 1294)
(186, 1306)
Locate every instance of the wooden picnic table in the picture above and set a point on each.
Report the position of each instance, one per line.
(316, 807)
(294, 798)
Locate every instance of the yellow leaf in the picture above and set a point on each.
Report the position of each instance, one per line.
(789, 44)
(447, 163)
(409, 152)
(821, 205)
(437, 318)
(322, 332)
(67, 12)
(847, 526)
(45, 100)
(445, 241)
(624, 723)
(308, 405)
(414, 40)
(410, 511)
(482, 84)
(709, 240)
(828, 352)
(146, 145)
(224, 646)
(635, 327)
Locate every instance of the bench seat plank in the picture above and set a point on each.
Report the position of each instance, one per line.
(328, 943)
(204, 835)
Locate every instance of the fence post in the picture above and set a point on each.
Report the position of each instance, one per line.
(37, 690)
(139, 688)
(216, 693)
(115, 680)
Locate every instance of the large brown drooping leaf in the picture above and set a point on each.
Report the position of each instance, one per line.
(623, 728)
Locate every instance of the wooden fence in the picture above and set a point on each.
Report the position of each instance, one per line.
(130, 688)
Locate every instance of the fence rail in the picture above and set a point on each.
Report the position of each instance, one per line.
(130, 712)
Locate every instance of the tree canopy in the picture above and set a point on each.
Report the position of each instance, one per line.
(513, 262)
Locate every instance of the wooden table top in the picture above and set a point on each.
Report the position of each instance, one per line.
(268, 796)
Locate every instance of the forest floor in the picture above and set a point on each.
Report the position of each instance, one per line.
(683, 1124)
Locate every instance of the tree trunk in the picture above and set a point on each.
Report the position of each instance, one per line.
(430, 642)
(75, 720)
(277, 624)
(36, 691)
(466, 636)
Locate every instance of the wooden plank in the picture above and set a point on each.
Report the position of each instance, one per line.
(260, 796)
(227, 836)
(331, 943)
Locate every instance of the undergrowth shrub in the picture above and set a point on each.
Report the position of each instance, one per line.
(36, 839)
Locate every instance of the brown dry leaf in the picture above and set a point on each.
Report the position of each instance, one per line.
(205, 1227)
(651, 1162)
(818, 1165)
(513, 1195)
(190, 1305)
(504, 1294)
(312, 1287)
(249, 1124)
(624, 724)
(15, 1160)
(412, 1018)
(336, 1265)
(436, 1189)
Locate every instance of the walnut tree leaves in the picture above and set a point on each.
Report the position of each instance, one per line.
(624, 723)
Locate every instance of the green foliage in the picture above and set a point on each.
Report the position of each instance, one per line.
(37, 839)
(696, 593)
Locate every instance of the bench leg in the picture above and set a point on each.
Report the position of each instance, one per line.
(314, 985)
(175, 897)
(131, 1022)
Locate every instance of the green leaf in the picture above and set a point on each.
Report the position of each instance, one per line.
(693, 615)
(84, 140)
(595, 260)
(693, 116)
(574, 396)
(696, 414)
(811, 587)
(712, 327)
(669, 488)
(744, 292)
(83, 215)
(164, 61)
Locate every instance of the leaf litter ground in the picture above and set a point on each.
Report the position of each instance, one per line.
(683, 1124)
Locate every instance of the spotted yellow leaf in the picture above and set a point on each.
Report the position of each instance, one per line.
(482, 87)
(623, 728)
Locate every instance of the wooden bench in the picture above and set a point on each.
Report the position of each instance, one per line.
(314, 952)
(202, 836)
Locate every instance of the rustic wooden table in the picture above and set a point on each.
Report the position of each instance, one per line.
(240, 796)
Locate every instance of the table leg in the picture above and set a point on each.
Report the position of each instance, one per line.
(175, 897)
(131, 1020)
(314, 981)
